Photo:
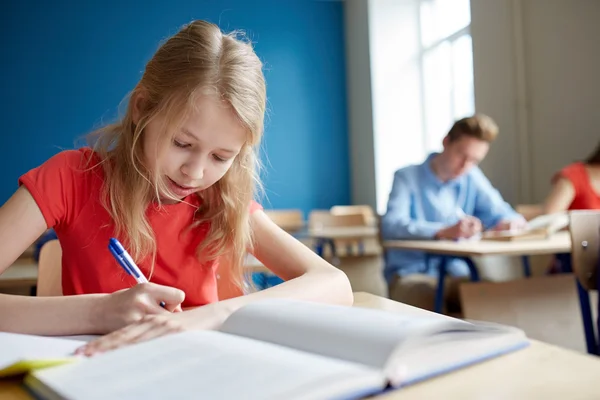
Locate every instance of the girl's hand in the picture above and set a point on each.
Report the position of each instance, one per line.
(149, 327)
(127, 306)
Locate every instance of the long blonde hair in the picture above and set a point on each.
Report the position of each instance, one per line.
(196, 59)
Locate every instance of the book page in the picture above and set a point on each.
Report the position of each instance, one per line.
(543, 225)
(348, 333)
(550, 222)
(425, 357)
(27, 352)
(207, 365)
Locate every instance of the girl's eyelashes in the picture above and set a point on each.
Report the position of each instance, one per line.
(184, 145)
(180, 144)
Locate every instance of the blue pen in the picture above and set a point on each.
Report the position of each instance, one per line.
(127, 263)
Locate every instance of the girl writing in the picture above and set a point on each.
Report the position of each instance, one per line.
(174, 181)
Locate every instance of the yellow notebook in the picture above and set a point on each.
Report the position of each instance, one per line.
(21, 354)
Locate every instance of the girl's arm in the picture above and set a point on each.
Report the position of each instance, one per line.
(308, 276)
(21, 223)
(561, 196)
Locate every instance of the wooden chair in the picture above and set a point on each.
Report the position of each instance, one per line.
(584, 228)
(288, 220)
(318, 219)
(49, 270)
(367, 211)
(355, 257)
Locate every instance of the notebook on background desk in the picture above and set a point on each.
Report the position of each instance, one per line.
(276, 349)
(538, 228)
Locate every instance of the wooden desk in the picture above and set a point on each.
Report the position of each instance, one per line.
(541, 371)
(349, 234)
(344, 232)
(557, 243)
(23, 273)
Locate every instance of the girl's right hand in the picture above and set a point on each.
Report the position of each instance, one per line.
(127, 306)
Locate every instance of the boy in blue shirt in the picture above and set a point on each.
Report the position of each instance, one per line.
(446, 197)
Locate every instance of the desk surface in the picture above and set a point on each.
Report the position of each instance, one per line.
(23, 272)
(538, 372)
(557, 243)
(343, 232)
(541, 371)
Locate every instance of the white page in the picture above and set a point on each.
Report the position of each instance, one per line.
(208, 365)
(448, 351)
(555, 221)
(17, 347)
(354, 334)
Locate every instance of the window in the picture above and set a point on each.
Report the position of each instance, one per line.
(422, 66)
(446, 67)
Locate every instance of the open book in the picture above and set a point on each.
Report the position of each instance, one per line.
(281, 349)
(538, 228)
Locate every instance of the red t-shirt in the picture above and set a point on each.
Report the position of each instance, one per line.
(586, 197)
(68, 192)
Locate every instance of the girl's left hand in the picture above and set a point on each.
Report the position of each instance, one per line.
(152, 326)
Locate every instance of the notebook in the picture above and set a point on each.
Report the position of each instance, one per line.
(538, 228)
(283, 349)
(20, 354)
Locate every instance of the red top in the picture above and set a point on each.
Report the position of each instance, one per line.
(586, 197)
(68, 192)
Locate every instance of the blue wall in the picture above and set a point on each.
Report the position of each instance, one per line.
(67, 65)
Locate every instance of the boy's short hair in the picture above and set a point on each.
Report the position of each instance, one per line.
(478, 126)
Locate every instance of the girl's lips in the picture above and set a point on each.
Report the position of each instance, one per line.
(180, 191)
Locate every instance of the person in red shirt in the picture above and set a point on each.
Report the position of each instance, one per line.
(174, 181)
(576, 187)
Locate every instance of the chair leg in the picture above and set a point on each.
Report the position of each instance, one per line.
(473, 271)
(584, 305)
(439, 294)
(526, 266)
(588, 324)
(597, 338)
(319, 244)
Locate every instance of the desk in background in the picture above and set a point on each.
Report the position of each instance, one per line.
(559, 243)
(329, 235)
(21, 274)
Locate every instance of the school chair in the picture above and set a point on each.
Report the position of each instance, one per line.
(361, 262)
(289, 220)
(49, 269)
(584, 228)
(367, 211)
(324, 219)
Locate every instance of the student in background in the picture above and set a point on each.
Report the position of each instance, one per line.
(446, 197)
(576, 187)
(174, 180)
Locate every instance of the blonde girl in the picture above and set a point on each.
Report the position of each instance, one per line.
(174, 180)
